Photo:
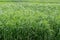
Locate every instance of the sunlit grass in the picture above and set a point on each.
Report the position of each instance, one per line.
(29, 21)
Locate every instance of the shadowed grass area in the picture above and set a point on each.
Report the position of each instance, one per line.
(29, 21)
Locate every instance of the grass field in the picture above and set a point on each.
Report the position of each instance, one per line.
(29, 21)
(58, 1)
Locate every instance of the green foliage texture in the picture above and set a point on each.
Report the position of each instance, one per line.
(29, 21)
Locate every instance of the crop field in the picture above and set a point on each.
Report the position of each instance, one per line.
(32, 0)
(29, 20)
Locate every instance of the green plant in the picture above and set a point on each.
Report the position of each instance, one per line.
(29, 22)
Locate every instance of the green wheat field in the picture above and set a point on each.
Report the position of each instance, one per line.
(29, 20)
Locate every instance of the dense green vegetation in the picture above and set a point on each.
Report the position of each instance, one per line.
(34, 0)
(29, 21)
